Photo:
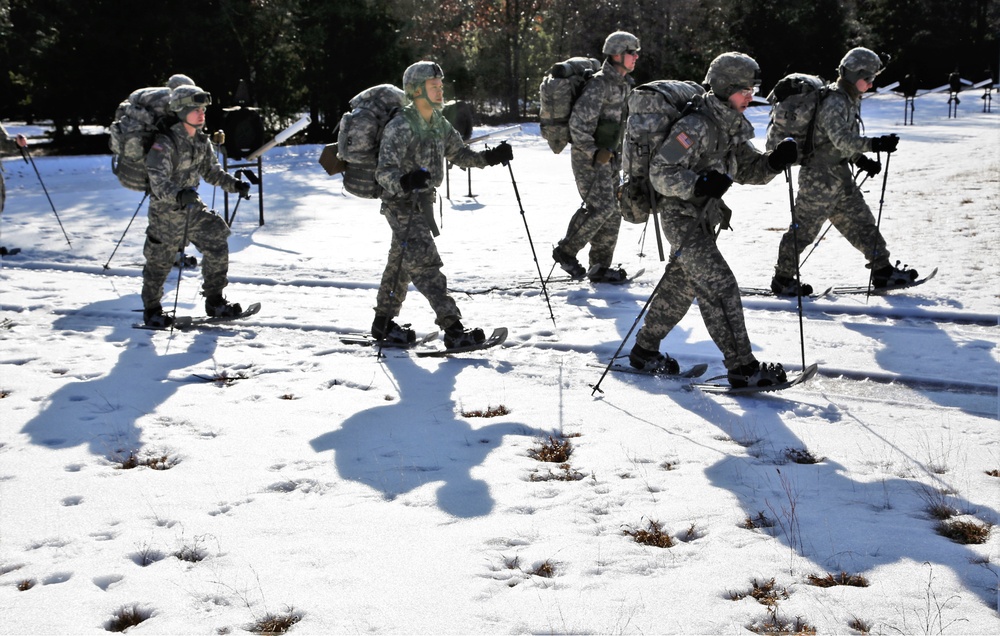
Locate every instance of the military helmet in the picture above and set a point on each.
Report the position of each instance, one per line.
(189, 96)
(179, 79)
(860, 62)
(416, 74)
(731, 72)
(619, 42)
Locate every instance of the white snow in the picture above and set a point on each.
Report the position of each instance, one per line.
(355, 493)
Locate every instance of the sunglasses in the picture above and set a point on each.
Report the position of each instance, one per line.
(749, 91)
(632, 52)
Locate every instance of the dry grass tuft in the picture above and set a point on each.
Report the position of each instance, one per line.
(965, 532)
(156, 462)
(993, 473)
(127, 616)
(802, 456)
(555, 451)
(655, 536)
(224, 378)
(546, 570)
(4, 393)
(491, 411)
(288, 396)
(766, 593)
(859, 625)
(759, 521)
(842, 578)
(25, 584)
(566, 473)
(276, 623)
(773, 624)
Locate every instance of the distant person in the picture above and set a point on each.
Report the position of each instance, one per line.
(8, 144)
(827, 189)
(707, 150)
(177, 162)
(411, 158)
(595, 127)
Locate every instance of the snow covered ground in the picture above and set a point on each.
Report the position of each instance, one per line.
(293, 475)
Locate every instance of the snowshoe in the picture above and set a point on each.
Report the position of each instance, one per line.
(218, 307)
(154, 318)
(786, 286)
(757, 374)
(569, 263)
(651, 361)
(385, 330)
(599, 274)
(891, 276)
(456, 336)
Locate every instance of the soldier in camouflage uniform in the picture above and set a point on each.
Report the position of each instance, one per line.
(706, 151)
(826, 186)
(176, 163)
(596, 132)
(8, 144)
(410, 166)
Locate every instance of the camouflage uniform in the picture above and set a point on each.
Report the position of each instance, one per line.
(596, 123)
(826, 186)
(410, 143)
(177, 162)
(715, 137)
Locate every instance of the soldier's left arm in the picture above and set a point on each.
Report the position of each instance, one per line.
(459, 154)
(751, 165)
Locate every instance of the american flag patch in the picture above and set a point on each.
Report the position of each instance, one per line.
(684, 140)
(156, 146)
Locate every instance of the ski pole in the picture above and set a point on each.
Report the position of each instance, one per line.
(180, 265)
(672, 263)
(534, 255)
(126, 230)
(27, 156)
(798, 266)
(878, 223)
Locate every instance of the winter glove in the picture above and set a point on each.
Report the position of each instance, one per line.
(187, 197)
(416, 180)
(500, 154)
(603, 156)
(885, 143)
(870, 166)
(243, 188)
(712, 184)
(784, 154)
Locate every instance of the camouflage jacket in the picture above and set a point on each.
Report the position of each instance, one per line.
(410, 143)
(599, 112)
(176, 162)
(713, 137)
(838, 136)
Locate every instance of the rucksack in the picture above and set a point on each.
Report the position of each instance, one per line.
(795, 100)
(653, 109)
(360, 135)
(557, 93)
(137, 121)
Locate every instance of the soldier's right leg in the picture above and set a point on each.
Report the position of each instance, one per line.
(395, 278)
(159, 250)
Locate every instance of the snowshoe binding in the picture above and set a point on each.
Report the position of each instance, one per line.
(650, 361)
(154, 318)
(457, 336)
(600, 274)
(385, 330)
(892, 276)
(218, 307)
(786, 286)
(757, 374)
(569, 263)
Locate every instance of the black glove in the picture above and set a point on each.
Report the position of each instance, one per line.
(500, 154)
(187, 197)
(416, 180)
(243, 189)
(885, 143)
(784, 154)
(870, 166)
(712, 184)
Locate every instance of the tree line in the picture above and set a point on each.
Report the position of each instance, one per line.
(71, 62)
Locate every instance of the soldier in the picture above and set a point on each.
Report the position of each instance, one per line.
(414, 146)
(595, 130)
(826, 186)
(706, 151)
(8, 143)
(177, 161)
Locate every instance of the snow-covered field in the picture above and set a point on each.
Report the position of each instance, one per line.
(305, 477)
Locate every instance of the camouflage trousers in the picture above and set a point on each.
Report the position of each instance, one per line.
(830, 193)
(165, 237)
(413, 257)
(697, 269)
(599, 221)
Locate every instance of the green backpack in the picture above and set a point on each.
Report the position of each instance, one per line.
(557, 93)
